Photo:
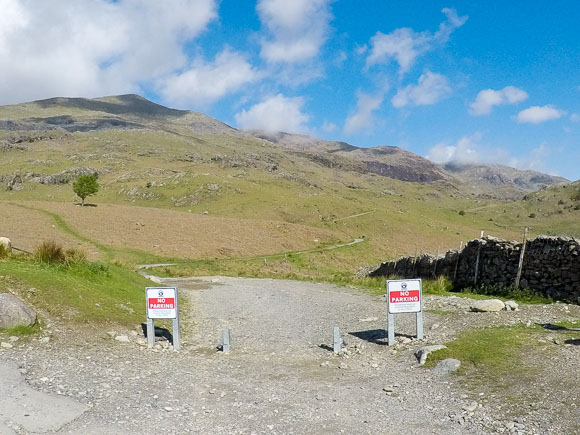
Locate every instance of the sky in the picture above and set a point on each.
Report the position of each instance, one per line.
(466, 82)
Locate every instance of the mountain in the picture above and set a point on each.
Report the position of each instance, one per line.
(387, 161)
(496, 181)
(133, 112)
(501, 181)
(115, 112)
(285, 187)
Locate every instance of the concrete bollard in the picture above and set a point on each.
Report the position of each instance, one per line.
(337, 340)
(226, 341)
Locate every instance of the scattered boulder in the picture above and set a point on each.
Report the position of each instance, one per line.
(446, 366)
(511, 306)
(488, 305)
(122, 338)
(422, 352)
(13, 312)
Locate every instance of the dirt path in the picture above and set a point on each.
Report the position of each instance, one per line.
(280, 377)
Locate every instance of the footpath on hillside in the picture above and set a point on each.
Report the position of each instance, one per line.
(281, 376)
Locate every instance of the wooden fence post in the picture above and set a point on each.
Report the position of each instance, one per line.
(477, 260)
(457, 261)
(522, 254)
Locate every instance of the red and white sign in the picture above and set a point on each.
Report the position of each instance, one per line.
(161, 302)
(404, 295)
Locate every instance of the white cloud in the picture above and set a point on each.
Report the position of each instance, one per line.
(297, 29)
(535, 160)
(430, 89)
(453, 22)
(93, 47)
(465, 151)
(470, 151)
(488, 98)
(274, 114)
(575, 117)
(404, 45)
(204, 83)
(329, 127)
(538, 114)
(362, 117)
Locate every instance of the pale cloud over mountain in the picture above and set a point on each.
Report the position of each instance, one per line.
(275, 113)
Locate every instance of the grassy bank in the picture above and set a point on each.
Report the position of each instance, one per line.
(84, 293)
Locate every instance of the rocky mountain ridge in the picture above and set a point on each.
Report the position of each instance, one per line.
(132, 112)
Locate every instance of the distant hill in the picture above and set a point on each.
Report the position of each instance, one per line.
(133, 112)
(511, 182)
(115, 112)
(155, 157)
(492, 180)
(392, 162)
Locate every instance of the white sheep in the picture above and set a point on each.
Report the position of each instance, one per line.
(5, 241)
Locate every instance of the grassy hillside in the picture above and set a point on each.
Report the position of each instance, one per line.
(178, 184)
(87, 293)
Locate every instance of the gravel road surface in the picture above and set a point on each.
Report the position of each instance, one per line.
(280, 378)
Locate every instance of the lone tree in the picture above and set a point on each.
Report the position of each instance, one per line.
(84, 186)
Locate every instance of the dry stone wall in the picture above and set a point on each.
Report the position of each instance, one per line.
(551, 265)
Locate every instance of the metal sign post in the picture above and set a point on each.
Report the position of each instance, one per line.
(404, 296)
(162, 303)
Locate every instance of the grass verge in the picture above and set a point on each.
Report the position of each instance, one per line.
(83, 293)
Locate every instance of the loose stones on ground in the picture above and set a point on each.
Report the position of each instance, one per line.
(422, 352)
(488, 305)
(446, 366)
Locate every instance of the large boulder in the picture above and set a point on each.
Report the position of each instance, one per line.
(488, 305)
(13, 312)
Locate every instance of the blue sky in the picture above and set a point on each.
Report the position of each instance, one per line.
(471, 81)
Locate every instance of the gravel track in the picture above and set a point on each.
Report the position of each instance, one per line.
(281, 377)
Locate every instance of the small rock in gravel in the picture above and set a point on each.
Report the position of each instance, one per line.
(122, 338)
(44, 339)
(422, 352)
(369, 319)
(488, 305)
(405, 340)
(511, 306)
(13, 338)
(470, 407)
(168, 408)
(434, 326)
(446, 366)
(6, 345)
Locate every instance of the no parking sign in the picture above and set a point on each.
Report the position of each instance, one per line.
(403, 296)
(161, 302)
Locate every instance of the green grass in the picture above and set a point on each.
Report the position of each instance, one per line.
(487, 352)
(494, 362)
(575, 324)
(84, 293)
(22, 331)
(514, 293)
